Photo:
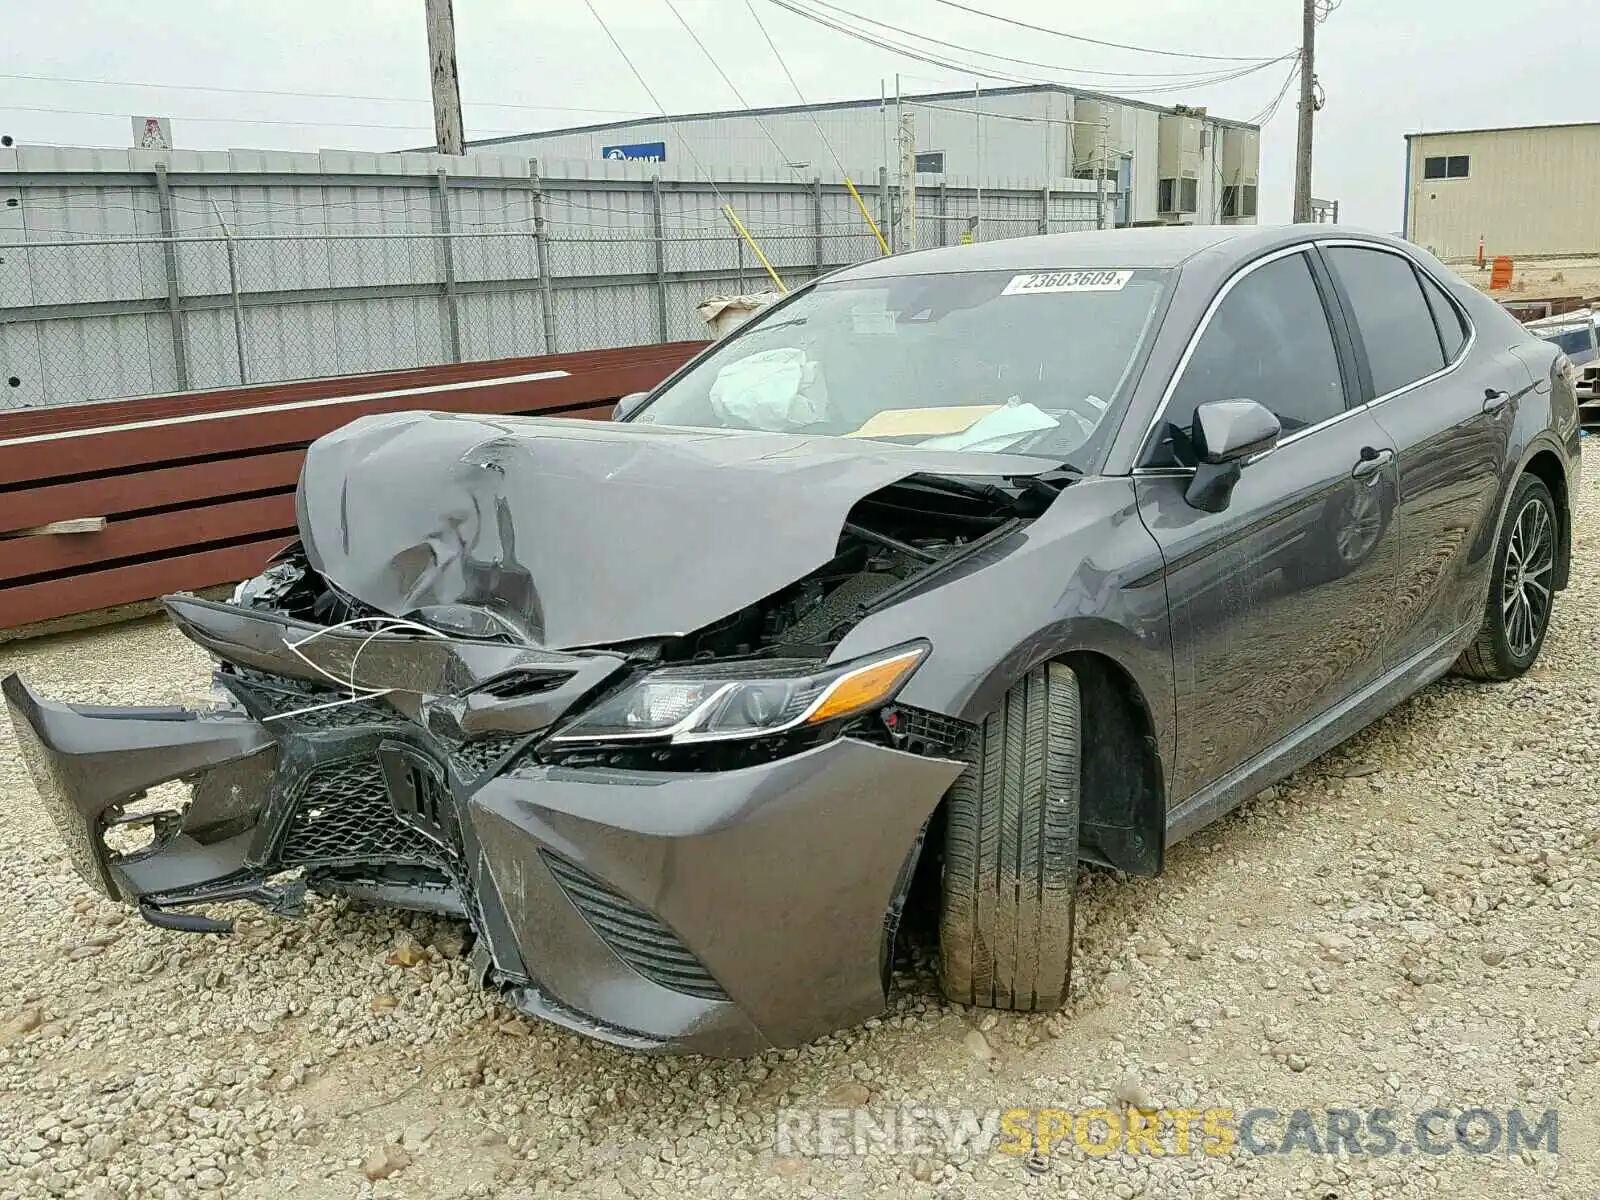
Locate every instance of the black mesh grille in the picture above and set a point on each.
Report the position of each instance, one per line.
(636, 937)
(472, 759)
(343, 814)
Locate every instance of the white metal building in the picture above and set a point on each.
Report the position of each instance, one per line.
(1526, 191)
(1178, 165)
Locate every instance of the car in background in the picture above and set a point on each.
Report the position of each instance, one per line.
(1578, 336)
(963, 566)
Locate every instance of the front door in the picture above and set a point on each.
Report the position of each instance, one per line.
(1280, 603)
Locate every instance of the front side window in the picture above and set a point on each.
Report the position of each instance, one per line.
(1268, 341)
(1026, 362)
(1391, 315)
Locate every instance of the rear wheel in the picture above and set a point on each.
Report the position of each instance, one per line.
(1522, 589)
(1011, 852)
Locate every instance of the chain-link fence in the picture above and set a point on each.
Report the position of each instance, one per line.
(87, 318)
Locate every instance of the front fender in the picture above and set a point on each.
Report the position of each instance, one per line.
(1086, 576)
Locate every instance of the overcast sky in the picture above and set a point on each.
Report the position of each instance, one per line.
(1387, 67)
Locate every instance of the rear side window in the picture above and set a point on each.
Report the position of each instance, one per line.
(1391, 314)
(1269, 342)
(1452, 329)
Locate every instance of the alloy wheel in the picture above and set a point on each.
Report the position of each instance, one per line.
(1525, 586)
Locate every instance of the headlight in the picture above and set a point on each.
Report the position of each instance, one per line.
(710, 703)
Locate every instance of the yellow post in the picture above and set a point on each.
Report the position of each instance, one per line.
(745, 234)
(862, 205)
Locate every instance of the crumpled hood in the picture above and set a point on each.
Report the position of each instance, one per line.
(585, 532)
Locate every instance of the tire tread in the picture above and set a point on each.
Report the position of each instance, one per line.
(1011, 844)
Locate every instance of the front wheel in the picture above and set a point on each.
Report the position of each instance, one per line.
(1522, 588)
(1011, 852)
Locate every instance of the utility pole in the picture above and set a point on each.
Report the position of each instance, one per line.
(908, 178)
(1308, 108)
(447, 135)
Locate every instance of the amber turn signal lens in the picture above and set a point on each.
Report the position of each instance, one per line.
(865, 687)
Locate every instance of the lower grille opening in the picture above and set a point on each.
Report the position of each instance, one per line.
(343, 814)
(634, 935)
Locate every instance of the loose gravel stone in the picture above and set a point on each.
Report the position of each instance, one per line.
(1411, 921)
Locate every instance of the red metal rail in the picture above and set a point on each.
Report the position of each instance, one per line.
(197, 489)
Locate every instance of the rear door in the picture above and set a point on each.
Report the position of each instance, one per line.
(1449, 404)
(1280, 603)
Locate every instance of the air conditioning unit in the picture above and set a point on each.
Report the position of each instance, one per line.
(1177, 195)
(1177, 146)
(1240, 163)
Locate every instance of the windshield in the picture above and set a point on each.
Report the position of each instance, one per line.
(1027, 363)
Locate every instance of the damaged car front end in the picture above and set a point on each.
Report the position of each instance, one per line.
(677, 820)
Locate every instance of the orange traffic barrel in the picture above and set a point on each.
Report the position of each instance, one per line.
(1500, 276)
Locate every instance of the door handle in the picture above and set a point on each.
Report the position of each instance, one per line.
(1371, 462)
(1494, 401)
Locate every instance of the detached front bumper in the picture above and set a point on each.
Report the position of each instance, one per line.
(716, 912)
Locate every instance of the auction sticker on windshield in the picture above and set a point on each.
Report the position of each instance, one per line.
(1067, 281)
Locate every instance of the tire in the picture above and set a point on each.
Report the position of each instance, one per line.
(1011, 852)
(1508, 642)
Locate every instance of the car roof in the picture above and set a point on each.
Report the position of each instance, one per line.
(1167, 246)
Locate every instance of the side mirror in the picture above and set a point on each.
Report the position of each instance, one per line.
(628, 405)
(1225, 433)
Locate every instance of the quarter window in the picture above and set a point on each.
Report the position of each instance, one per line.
(1268, 341)
(1391, 315)
(1452, 330)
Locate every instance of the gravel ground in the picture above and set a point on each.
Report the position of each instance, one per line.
(1409, 922)
(1547, 277)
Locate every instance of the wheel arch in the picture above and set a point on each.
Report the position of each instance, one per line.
(1545, 464)
(1123, 799)
(1123, 820)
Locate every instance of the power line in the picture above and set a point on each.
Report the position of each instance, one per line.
(969, 68)
(237, 91)
(789, 75)
(656, 100)
(733, 87)
(1271, 110)
(1180, 76)
(1076, 37)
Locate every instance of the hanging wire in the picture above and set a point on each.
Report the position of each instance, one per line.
(734, 88)
(688, 148)
(357, 695)
(1075, 37)
(789, 75)
(969, 68)
(1180, 77)
(1271, 109)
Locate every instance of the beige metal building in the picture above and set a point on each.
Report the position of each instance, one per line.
(1526, 191)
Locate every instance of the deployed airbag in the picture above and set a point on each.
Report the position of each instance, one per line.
(772, 390)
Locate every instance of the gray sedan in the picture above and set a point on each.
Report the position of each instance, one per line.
(953, 569)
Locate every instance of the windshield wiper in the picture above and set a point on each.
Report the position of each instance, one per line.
(782, 324)
(990, 493)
